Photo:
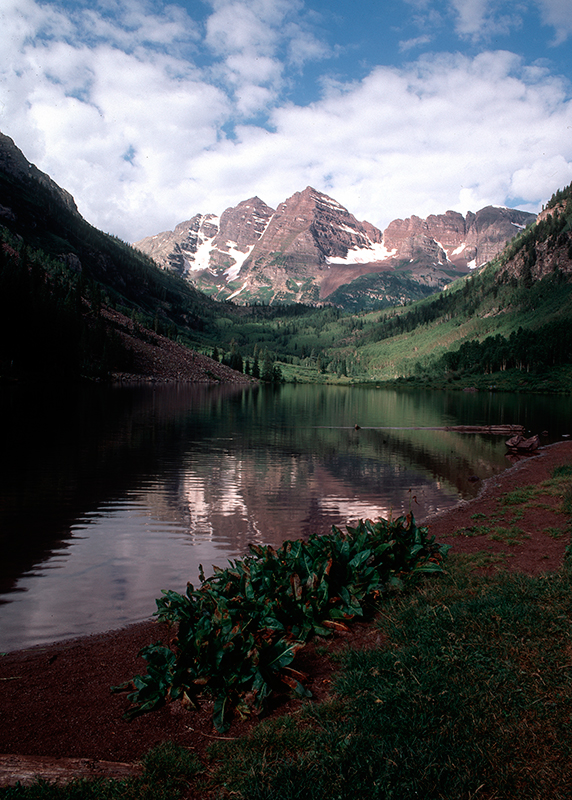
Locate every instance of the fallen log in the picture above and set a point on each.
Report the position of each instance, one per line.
(500, 430)
(27, 769)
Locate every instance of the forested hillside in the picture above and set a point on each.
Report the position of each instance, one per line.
(507, 324)
(73, 300)
(510, 320)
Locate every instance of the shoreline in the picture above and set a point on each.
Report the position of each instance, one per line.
(538, 551)
(57, 702)
(434, 521)
(493, 482)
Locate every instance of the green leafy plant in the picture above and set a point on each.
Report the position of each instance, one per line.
(238, 633)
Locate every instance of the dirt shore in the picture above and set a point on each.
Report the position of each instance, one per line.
(56, 700)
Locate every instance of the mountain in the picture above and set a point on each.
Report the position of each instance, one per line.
(313, 250)
(76, 302)
(209, 243)
(506, 326)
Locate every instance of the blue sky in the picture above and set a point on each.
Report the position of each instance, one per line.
(149, 112)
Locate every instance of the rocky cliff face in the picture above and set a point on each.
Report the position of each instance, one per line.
(466, 242)
(311, 230)
(207, 243)
(310, 246)
(546, 249)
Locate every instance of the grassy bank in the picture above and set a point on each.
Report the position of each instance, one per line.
(554, 381)
(469, 697)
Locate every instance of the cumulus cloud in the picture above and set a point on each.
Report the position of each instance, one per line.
(148, 116)
(447, 132)
(256, 41)
(481, 20)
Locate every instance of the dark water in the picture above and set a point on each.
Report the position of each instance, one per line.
(109, 495)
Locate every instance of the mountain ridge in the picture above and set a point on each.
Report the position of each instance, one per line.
(76, 302)
(310, 246)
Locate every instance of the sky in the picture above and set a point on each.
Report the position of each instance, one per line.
(149, 112)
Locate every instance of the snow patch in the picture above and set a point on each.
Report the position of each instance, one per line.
(458, 250)
(238, 291)
(364, 255)
(327, 201)
(516, 225)
(444, 249)
(202, 256)
(472, 264)
(232, 272)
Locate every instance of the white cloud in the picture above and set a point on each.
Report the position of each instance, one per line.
(449, 132)
(486, 18)
(256, 40)
(558, 14)
(144, 136)
(410, 44)
(471, 15)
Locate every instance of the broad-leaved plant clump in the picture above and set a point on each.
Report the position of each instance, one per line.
(238, 633)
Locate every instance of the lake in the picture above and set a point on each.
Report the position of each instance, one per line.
(111, 494)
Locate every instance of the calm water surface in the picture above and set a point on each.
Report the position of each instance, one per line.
(109, 495)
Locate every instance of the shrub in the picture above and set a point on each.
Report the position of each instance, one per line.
(240, 630)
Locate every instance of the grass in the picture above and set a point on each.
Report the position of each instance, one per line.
(519, 496)
(556, 533)
(168, 771)
(472, 530)
(511, 536)
(468, 699)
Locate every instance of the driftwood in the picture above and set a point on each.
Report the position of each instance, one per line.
(501, 430)
(27, 769)
(522, 445)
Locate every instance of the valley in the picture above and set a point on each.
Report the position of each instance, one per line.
(301, 293)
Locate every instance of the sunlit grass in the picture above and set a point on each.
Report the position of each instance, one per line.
(453, 705)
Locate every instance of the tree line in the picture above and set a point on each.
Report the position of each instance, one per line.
(526, 350)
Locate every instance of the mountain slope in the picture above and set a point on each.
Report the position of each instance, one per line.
(207, 243)
(507, 324)
(313, 250)
(75, 301)
(34, 207)
(58, 274)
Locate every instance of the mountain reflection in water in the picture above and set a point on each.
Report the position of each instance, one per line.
(111, 494)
